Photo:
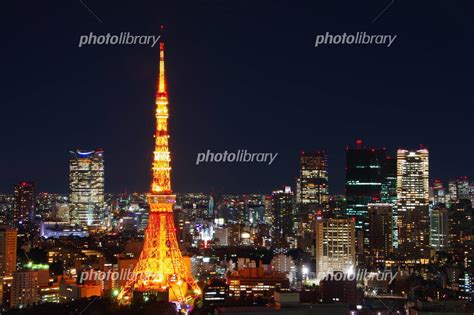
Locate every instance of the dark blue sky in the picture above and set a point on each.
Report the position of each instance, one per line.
(242, 75)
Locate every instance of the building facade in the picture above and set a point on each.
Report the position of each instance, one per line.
(335, 246)
(86, 187)
(8, 247)
(312, 183)
(438, 193)
(439, 232)
(24, 204)
(283, 208)
(25, 289)
(413, 201)
(364, 179)
(459, 189)
(380, 229)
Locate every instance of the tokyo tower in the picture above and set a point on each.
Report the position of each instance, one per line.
(161, 269)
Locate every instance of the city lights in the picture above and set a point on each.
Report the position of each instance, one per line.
(248, 172)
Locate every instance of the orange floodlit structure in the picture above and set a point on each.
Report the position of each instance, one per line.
(161, 269)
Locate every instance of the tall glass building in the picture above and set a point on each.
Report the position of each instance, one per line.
(388, 192)
(364, 179)
(283, 208)
(24, 206)
(459, 189)
(381, 229)
(439, 233)
(312, 183)
(413, 201)
(86, 187)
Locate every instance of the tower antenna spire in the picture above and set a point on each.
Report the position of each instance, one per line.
(162, 78)
(161, 156)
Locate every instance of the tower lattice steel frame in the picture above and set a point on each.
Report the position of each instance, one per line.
(161, 269)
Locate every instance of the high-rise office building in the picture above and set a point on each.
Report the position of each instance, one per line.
(380, 229)
(24, 206)
(8, 244)
(452, 191)
(413, 201)
(59, 212)
(438, 193)
(86, 187)
(459, 189)
(283, 208)
(388, 191)
(312, 183)
(210, 208)
(335, 246)
(255, 207)
(269, 219)
(388, 194)
(25, 289)
(337, 207)
(439, 233)
(364, 179)
(460, 223)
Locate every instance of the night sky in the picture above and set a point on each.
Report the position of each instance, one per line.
(242, 75)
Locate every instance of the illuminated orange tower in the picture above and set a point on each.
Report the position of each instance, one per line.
(161, 269)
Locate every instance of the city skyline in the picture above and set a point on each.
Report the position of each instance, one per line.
(292, 183)
(238, 158)
(402, 96)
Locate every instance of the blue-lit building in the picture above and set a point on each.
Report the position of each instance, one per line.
(61, 229)
(86, 188)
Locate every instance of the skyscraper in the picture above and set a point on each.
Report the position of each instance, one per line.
(8, 243)
(381, 229)
(388, 192)
(364, 178)
(335, 246)
(459, 189)
(312, 183)
(24, 207)
(86, 187)
(413, 201)
(439, 232)
(438, 193)
(460, 223)
(283, 208)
